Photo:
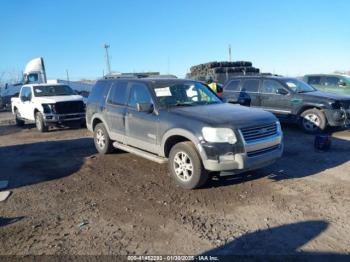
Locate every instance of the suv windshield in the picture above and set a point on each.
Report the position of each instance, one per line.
(298, 86)
(185, 94)
(53, 90)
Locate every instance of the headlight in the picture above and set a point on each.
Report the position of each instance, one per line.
(279, 128)
(49, 108)
(219, 135)
(336, 105)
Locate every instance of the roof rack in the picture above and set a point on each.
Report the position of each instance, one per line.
(137, 75)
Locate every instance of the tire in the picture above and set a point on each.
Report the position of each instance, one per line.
(183, 155)
(40, 122)
(313, 121)
(19, 121)
(103, 144)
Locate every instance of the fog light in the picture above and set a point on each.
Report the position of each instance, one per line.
(230, 157)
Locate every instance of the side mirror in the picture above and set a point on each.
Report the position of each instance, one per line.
(144, 107)
(23, 98)
(281, 91)
(342, 84)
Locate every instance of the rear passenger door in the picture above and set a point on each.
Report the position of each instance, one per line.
(250, 92)
(272, 101)
(231, 90)
(141, 127)
(116, 109)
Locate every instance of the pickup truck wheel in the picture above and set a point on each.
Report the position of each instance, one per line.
(19, 121)
(186, 166)
(313, 121)
(40, 123)
(103, 143)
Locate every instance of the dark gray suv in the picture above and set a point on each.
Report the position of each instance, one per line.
(184, 123)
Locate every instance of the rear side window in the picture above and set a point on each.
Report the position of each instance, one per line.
(99, 92)
(314, 80)
(118, 93)
(250, 85)
(139, 93)
(233, 86)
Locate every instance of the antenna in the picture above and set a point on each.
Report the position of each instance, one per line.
(229, 53)
(108, 64)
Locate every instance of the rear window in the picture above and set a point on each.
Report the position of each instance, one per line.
(233, 86)
(250, 85)
(118, 93)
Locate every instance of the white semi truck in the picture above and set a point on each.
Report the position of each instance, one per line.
(35, 73)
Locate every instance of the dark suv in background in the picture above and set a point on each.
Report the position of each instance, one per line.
(332, 83)
(290, 100)
(184, 123)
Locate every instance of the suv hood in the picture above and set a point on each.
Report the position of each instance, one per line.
(326, 95)
(225, 115)
(55, 99)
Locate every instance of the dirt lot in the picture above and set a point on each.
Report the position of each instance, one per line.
(66, 199)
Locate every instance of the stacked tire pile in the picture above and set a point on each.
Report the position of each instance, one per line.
(221, 72)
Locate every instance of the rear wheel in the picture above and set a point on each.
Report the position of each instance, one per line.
(313, 121)
(40, 122)
(103, 143)
(186, 166)
(19, 121)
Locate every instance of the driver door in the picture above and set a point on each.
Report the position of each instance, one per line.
(141, 127)
(271, 100)
(26, 109)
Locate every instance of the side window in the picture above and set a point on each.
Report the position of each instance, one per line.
(139, 93)
(33, 78)
(314, 80)
(99, 91)
(331, 81)
(250, 85)
(118, 93)
(25, 93)
(271, 87)
(233, 86)
(29, 94)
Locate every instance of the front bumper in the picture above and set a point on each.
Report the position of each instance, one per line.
(338, 117)
(60, 118)
(255, 155)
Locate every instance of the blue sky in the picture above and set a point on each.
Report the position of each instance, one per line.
(286, 37)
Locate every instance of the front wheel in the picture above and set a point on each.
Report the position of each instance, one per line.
(186, 166)
(313, 121)
(19, 121)
(40, 123)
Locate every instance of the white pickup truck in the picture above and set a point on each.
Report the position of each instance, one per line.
(48, 104)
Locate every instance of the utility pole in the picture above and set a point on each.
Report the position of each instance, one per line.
(67, 75)
(108, 64)
(229, 53)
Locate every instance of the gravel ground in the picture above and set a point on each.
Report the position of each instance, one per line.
(66, 199)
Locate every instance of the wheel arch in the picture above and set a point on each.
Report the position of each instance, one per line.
(307, 107)
(96, 120)
(174, 136)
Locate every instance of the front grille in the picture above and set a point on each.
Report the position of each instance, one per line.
(259, 132)
(262, 151)
(69, 107)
